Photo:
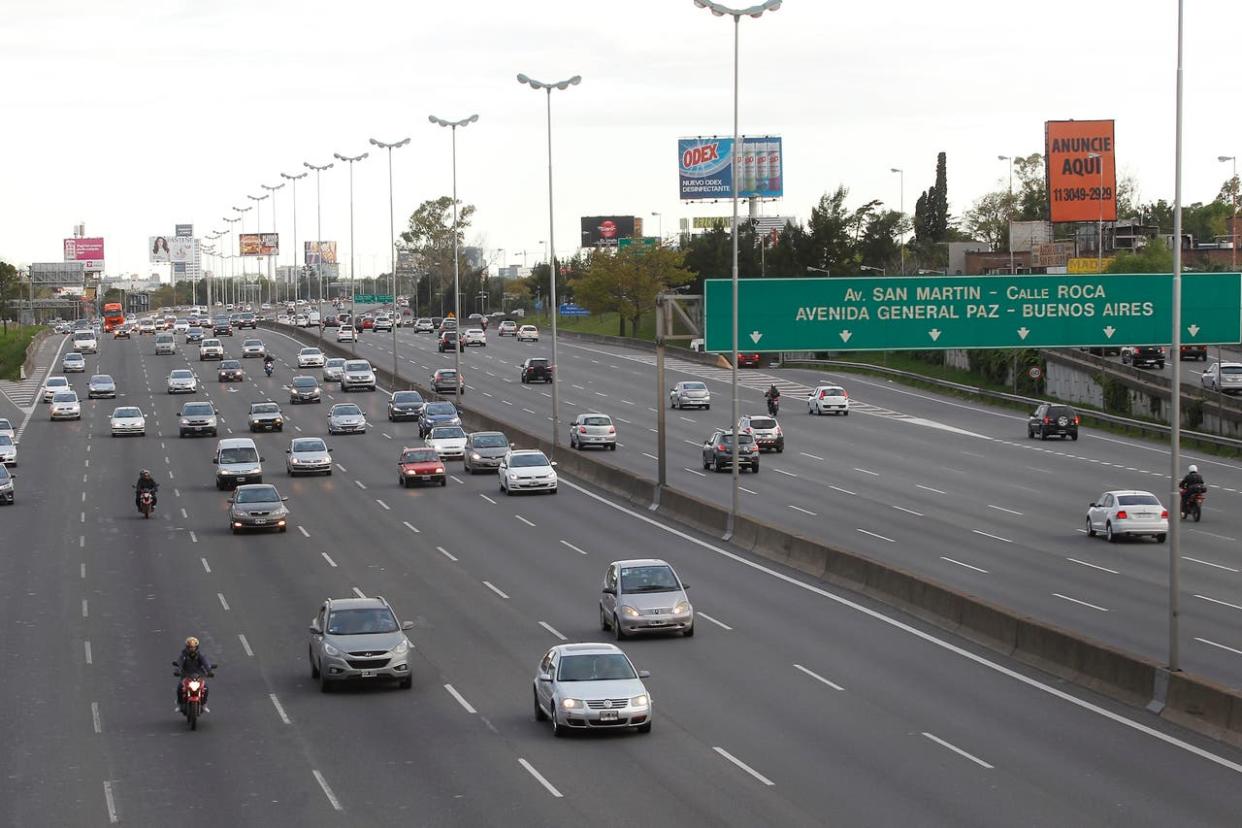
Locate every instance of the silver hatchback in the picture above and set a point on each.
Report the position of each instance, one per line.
(359, 638)
(644, 595)
(690, 394)
(593, 430)
(591, 686)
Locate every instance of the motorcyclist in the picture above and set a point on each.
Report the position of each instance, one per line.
(193, 662)
(146, 483)
(773, 396)
(268, 364)
(1191, 485)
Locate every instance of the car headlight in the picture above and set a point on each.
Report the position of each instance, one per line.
(629, 612)
(640, 700)
(330, 650)
(682, 608)
(294, 461)
(402, 648)
(474, 455)
(572, 704)
(439, 469)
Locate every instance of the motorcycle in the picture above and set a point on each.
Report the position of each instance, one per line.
(1192, 505)
(193, 694)
(774, 405)
(146, 502)
(268, 368)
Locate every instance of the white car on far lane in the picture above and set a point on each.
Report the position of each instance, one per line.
(1128, 512)
(528, 333)
(826, 399)
(310, 358)
(53, 386)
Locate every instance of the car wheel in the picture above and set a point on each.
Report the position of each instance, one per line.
(1160, 538)
(406, 683)
(314, 669)
(401, 482)
(846, 412)
(1090, 529)
(689, 631)
(559, 730)
(612, 447)
(754, 469)
(617, 632)
(1074, 436)
(443, 481)
(540, 716)
(1108, 533)
(603, 619)
(325, 686)
(645, 727)
(1043, 435)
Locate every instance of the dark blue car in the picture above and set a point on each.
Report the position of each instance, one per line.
(437, 414)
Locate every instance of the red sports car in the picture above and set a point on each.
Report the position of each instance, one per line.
(421, 465)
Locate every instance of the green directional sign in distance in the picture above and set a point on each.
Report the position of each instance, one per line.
(373, 299)
(922, 312)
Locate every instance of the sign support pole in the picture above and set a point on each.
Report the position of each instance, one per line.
(662, 330)
(1175, 355)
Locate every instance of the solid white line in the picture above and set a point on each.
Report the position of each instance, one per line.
(1222, 603)
(1209, 563)
(720, 624)
(488, 499)
(874, 535)
(87, 648)
(1221, 646)
(968, 566)
(302, 529)
(95, 717)
(85, 613)
(112, 816)
(908, 511)
(279, 710)
(552, 630)
(460, 700)
(744, 766)
(819, 678)
(410, 526)
(843, 491)
(524, 520)
(383, 504)
(864, 471)
(328, 558)
(223, 602)
(445, 553)
(929, 488)
(800, 509)
(494, 589)
(1076, 601)
(782, 471)
(1094, 566)
(571, 546)
(359, 593)
(957, 750)
(245, 645)
(993, 537)
(539, 776)
(945, 645)
(336, 803)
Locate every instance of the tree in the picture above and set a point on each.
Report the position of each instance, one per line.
(931, 210)
(429, 235)
(1153, 257)
(628, 280)
(1031, 197)
(988, 219)
(10, 286)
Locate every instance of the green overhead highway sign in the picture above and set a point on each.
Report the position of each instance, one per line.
(373, 299)
(930, 312)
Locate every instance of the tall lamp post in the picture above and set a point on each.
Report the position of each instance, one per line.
(294, 180)
(1009, 158)
(660, 217)
(453, 125)
(353, 285)
(720, 10)
(241, 211)
(392, 247)
(1233, 231)
(271, 266)
(901, 173)
(258, 229)
(232, 284)
(319, 239)
(214, 235)
(1099, 253)
(551, 257)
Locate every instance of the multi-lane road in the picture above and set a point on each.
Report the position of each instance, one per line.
(794, 705)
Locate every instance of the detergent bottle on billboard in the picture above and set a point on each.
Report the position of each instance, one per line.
(761, 167)
(774, 166)
(746, 153)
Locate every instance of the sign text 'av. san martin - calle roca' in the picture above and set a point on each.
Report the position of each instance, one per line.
(930, 312)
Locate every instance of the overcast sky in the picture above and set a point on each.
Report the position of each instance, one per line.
(132, 117)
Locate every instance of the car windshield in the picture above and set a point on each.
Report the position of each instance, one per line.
(349, 410)
(5, 425)
(727, 439)
(490, 441)
(83, 335)
(762, 423)
(1137, 500)
(596, 421)
(407, 397)
(534, 458)
(239, 454)
(648, 579)
(832, 392)
(230, 365)
(357, 365)
(57, 382)
(180, 374)
(211, 343)
(265, 408)
(266, 494)
(335, 362)
(5, 440)
(420, 456)
(693, 386)
(362, 621)
(600, 667)
(64, 397)
(308, 444)
(1231, 369)
(4, 474)
(80, 358)
(447, 373)
(448, 433)
(101, 379)
(537, 363)
(198, 410)
(440, 409)
(303, 352)
(304, 382)
(127, 412)
(249, 343)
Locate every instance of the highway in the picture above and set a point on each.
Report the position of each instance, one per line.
(939, 486)
(794, 705)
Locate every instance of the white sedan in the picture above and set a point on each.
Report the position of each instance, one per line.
(828, 398)
(53, 386)
(474, 336)
(1127, 513)
(65, 406)
(346, 333)
(448, 441)
(182, 380)
(128, 419)
(310, 358)
(527, 470)
(528, 333)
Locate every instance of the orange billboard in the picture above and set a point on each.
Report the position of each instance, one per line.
(1082, 170)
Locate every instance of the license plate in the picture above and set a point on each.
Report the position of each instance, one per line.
(368, 674)
(260, 521)
(424, 477)
(608, 716)
(657, 623)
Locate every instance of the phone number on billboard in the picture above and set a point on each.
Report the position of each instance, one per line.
(1082, 193)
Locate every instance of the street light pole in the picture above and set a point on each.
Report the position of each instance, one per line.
(1233, 230)
(902, 176)
(392, 248)
(241, 211)
(721, 10)
(353, 284)
(1175, 415)
(258, 229)
(1010, 160)
(271, 272)
(296, 271)
(1099, 252)
(556, 400)
(457, 346)
(660, 216)
(232, 283)
(319, 242)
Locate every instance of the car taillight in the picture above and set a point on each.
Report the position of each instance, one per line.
(1122, 515)
(1047, 420)
(1164, 513)
(612, 429)
(582, 429)
(845, 394)
(823, 394)
(722, 447)
(1075, 419)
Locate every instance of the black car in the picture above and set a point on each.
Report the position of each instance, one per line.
(194, 335)
(1144, 356)
(447, 340)
(536, 369)
(405, 405)
(304, 389)
(231, 370)
(1052, 419)
(247, 320)
(718, 451)
(221, 326)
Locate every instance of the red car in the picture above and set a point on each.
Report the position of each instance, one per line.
(420, 465)
(368, 323)
(747, 360)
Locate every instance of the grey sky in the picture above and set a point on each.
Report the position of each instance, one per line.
(135, 116)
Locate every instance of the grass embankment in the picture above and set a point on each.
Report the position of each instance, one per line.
(13, 349)
(607, 324)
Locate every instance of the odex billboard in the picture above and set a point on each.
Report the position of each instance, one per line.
(607, 231)
(320, 252)
(705, 167)
(90, 251)
(1082, 171)
(259, 244)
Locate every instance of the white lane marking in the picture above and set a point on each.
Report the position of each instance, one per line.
(446, 553)
(957, 750)
(85, 609)
(748, 491)
(524, 520)
(302, 529)
(111, 802)
(1209, 563)
(812, 456)
(410, 526)
(488, 499)
(359, 593)
(170, 476)
(528, 411)
(691, 442)
(1210, 535)
(652, 456)
(993, 537)
(908, 511)
(1076, 601)
(83, 497)
(328, 558)
(929, 488)
(571, 546)
(1217, 601)
(193, 538)
(183, 514)
(245, 645)
(1221, 646)
(323, 783)
(460, 699)
(968, 566)
(819, 678)
(800, 509)
(843, 491)
(1003, 509)
(342, 468)
(387, 436)
(495, 589)
(87, 647)
(715, 621)
(874, 535)
(865, 471)
(385, 506)
(223, 602)
(95, 717)
(457, 479)
(1093, 566)
(83, 518)
(943, 644)
(552, 630)
(626, 402)
(280, 711)
(539, 777)
(692, 471)
(81, 541)
(361, 485)
(739, 763)
(82, 570)
(506, 402)
(782, 471)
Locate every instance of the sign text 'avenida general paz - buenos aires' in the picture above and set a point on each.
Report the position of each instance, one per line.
(915, 313)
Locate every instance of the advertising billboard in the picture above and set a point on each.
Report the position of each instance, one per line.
(1082, 171)
(606, 231)
(259, 244)
(157, 247)
(320, 252)
(185, 230)
(88, 251)
(180, 249)
(705, 167)
(57, 274)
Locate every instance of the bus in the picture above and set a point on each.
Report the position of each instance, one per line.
(113, 316)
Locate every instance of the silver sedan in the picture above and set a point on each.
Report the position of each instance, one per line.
(591, 686)
(182, 380)
(258, 506)
(308, 455)
(101, 385)
(346, 418)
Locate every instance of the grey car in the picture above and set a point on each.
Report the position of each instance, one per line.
(591, 687)
(257, 506)
(182, 380)
(304, 389)
(265, 416)
(357, 375)
(690, 394)
(333, 369)
(6, 485)
(101, 385)
(346, 418)
(718, 451)
(593, 430)
(352, 639)
(485, 450)
(405, 405)
(644, 595)
(308, 455)
(73, 363)
(197, 418)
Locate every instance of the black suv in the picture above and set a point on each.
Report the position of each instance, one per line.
(221, 326)
(1144, 356)
(718, 451)
(536, 368)
(247, 320)
(1050, 419)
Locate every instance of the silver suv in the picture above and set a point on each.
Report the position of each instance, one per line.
(359, 638)
(357, 374)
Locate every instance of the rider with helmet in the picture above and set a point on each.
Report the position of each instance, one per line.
(146, 483)
(193, 662)
(1191, 485)
(773, 396)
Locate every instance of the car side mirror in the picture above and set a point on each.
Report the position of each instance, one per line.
(644, 674)
(329, 451)
(610, 591)
(553, 463)
(262, 459)
(232, 500)
(407, 625)
(313, 629)
(1090, 505)
(288, 451)
(284, 500)
(684, 585)
(545, 677)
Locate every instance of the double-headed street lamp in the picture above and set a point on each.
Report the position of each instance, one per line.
(1009, 158)
(902, 202)
(271, 272)
(551, 258)
(1099, 253)
(258, 229)
(232, 284)
(1233, 231)
(294, 179)
(353, 285)
(319, 239)
(241, 212)
(453, 125)
(392, 247)
(721, 10)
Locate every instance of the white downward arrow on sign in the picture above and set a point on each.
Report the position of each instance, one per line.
(1194, 330)
(755, 336)
(934, 334)
(1109, 331)
(845, 336)
(1022, 332)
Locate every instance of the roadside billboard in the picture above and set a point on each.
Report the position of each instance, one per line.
(157, 247)
(607, 231)
(705, 167)
(57, 274)
(1081, 171)
(88, 251)
(259, 244)
(181, 249)
(320, 252)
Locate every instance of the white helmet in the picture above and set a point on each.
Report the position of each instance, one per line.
(1193, 468)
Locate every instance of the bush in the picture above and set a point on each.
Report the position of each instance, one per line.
(13, 349)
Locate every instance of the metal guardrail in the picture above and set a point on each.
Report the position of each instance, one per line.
(1112, 419)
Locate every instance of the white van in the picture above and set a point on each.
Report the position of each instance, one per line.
(237, 461)
(84, 342)
(165, 344)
